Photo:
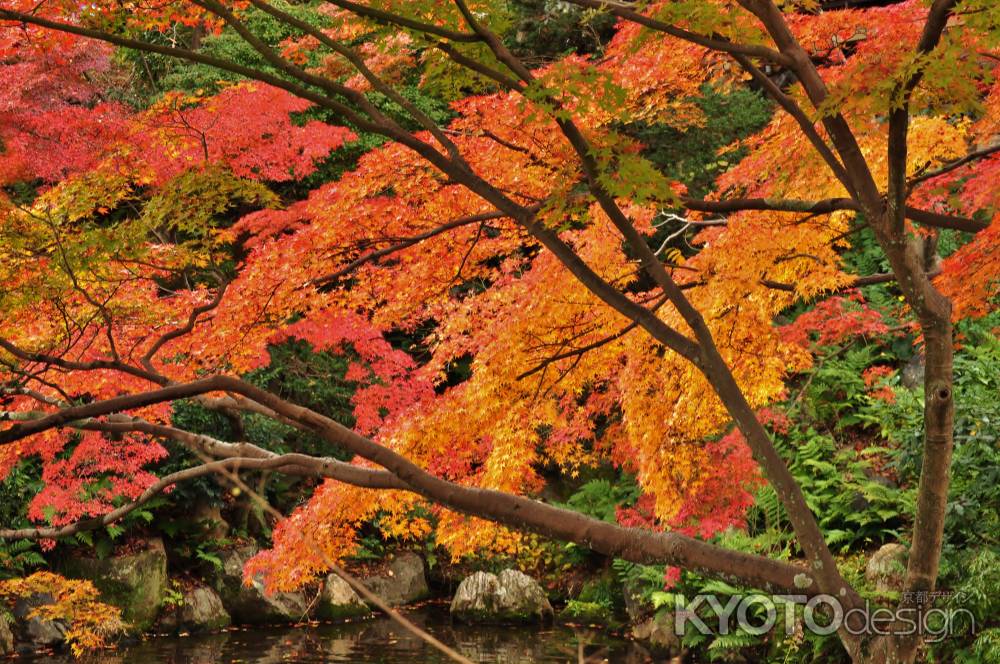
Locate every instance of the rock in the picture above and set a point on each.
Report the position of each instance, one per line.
(134, 582)
(249, 604)
(509, 597)
(338, 600)
(887, 568)
(912, 375)
(598, 602)
(202, 611)
(589, 613)
(859, 502)
(636, 604)
(403, 583)
(658, 633)
(38, 632)
(6, 637)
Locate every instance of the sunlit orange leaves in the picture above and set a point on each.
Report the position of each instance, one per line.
(91, 623)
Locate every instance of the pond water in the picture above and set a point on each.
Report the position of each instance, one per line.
(378, 639)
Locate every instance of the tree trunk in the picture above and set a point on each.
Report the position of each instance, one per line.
(910, 262)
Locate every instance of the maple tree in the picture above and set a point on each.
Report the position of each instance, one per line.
(530, 234)
(90, 622)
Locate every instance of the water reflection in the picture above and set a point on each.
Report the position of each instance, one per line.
(370, 641)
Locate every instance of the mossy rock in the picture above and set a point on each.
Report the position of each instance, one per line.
(402, 583)
(886, 569)
(589, 613)
(338, 601)
(6, 635)
(135, 582)
(509, 597)
(249, 603)
(202, 611)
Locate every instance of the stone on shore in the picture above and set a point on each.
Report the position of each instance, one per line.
(510, 596)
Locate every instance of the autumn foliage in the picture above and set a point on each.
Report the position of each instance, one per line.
(165, 238)
(90, 623)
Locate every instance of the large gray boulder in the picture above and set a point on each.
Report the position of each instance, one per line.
(337, 599)
(135, 582)
(403, 583)
(886, 569)
(250, 604)
(202, 611)
(37, 632)
(510, 597)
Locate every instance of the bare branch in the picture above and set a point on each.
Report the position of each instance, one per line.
(869, 280)
(298, 464)
(404, 244)
(722, 45)
(147, 359)
(576, 352)
(95, 365)
(404, 22)
(359, 587)
(951, 166)
(146, 496)
(827, 205)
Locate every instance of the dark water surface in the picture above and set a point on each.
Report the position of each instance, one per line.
(377, 639)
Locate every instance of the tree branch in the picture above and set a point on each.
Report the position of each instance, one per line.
(806, 125)
(404, 244)
(508, 509)
(951, 166)
(195, 56)
(899, 117)
(358, 63)
(221, 466)
(404, 22)
(722, 45)
(869, 280)
(827, 205)
(187, 328)
(576, 352)
(302, 464)
(95, 365)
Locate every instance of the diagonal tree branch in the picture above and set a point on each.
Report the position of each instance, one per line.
(358, 63)
(389, 18)
(95, 365)
(504, 508)
(707, 359)
(187, 328)
(806, 125)
(223, 465)
(404, 244)
(951, 166)
(625, 11)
